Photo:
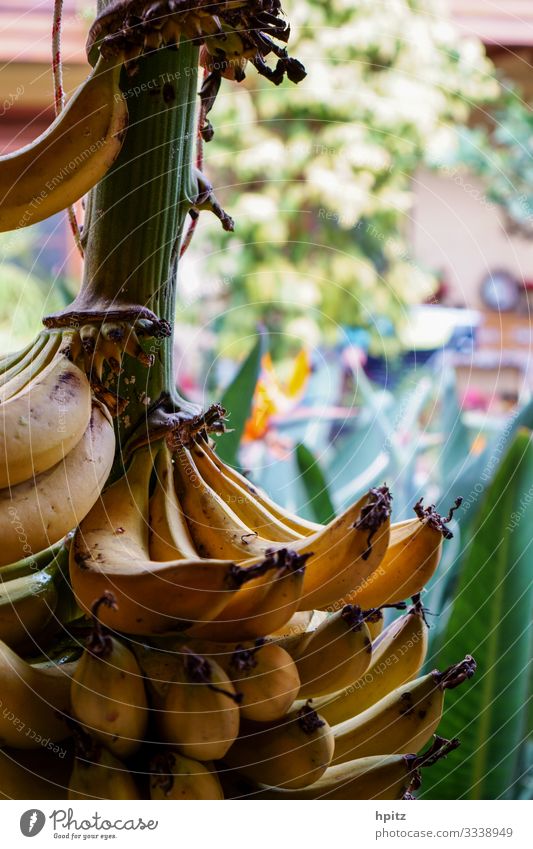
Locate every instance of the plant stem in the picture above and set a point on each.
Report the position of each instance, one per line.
(135, 219)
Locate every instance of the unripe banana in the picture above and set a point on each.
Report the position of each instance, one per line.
(27, 604)
(292, 752)
(176, 777)
(266, 678)
(107, 694)
(196, 707)
(404, 720)
(70, 157)
(35, 702)
(337, 653)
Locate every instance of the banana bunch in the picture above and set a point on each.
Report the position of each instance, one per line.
(259, 662)
(71, 156)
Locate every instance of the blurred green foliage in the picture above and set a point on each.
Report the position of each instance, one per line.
(318, 175)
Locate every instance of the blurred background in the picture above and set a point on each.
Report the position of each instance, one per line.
(369, 320)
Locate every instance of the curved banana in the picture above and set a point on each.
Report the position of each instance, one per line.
(377, 777)
(215, 528)
(244, 504)
(110, 553)
(71, 156)
(335, 654)
(36, 360)
(301, 527)
(42, 510)
(30, 564)
(196, 707)
(173, 776)
(107, 693)
(169, 535)
(396, 659)
(27, 604)
(41, 424)
(404, 720)
(35, 701)
(411, 559)
(292, 752)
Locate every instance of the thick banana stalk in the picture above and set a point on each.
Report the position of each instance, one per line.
(176, 777)
(35, 702)
(404, 720)
(293, 752)
(396, 659)
(67, 160)
(41, 424)
(42, 510)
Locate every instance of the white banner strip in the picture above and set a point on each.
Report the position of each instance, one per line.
(262, 824)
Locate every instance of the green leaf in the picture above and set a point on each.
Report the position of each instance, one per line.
(237, 400)
(490, 619)
(315, 485)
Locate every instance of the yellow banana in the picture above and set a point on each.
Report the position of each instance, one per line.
(173, 776)
(248, 509)
(107, 694)
(410, 560)
(169, 535)
(36, 774)
(292, 752)
(41, 424)
(110, 552)
(71, 156)
(374, 777)
(296, 625)
(378, 777)
(335, 655)
(299, 526)
(41, 511)
(32, 563)
(266, 679)
(404, 720)
(214, 527)
(98, 774)
(195, 706)
(27, 604)
(35, 702)
(375, 622)
(264, 603)
(38, 358)
(396, 659)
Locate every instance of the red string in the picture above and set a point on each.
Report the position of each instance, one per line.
(59, 100)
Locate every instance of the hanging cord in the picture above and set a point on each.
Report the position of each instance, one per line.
(59, 101)
(199, 164)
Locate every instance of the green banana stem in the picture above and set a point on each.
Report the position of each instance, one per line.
(135, 221)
